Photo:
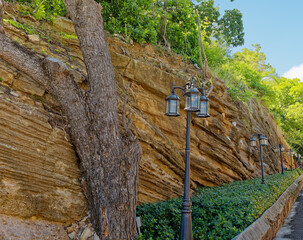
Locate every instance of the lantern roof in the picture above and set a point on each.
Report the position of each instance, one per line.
(173, 96)
(191, 90)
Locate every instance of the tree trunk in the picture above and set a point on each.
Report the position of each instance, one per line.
(1, 16)
(108, 159)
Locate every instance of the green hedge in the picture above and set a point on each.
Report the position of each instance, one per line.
(218, 212)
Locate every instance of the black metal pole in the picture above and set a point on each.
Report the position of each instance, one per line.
(280, 146)
(186, 222)
(263, 180)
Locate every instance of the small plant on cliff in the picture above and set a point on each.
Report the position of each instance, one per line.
(218, 212)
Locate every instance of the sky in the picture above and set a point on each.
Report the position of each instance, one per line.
(277, 25)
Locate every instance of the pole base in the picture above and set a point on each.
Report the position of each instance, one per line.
(186, 225)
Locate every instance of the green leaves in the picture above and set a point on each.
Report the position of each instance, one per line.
(43, 9)
(217, 212)
(39, 9)
(247, 74)
(287, 108)
(174, 24)
(231, 27)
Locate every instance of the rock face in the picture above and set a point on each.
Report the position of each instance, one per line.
(220, 145)
(39, 176)
(39, 173)
(14, 229)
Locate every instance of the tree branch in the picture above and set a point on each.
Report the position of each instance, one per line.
(22, 59)
(88, 23)
(51, 74)
(210, 90)
(94, 48)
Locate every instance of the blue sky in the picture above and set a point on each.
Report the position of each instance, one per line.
(277, 25)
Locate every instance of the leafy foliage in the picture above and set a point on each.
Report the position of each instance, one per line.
(172, 21)
(287, 108)
(218, 212)
(247, 76)
(231, 27)
(43, 9)
(246, 72)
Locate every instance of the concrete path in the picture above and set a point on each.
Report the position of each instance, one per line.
(293, 225)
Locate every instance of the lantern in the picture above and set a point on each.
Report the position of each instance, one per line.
(263, 140)
(172, 105)
(282, 148)
(191, 99)
(204, 106)
(253, 141)
(191, 93)
(276, 149)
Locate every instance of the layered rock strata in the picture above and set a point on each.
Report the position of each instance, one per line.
(39, 175)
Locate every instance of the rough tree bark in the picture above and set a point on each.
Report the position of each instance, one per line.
(1, 15)
(108, 158)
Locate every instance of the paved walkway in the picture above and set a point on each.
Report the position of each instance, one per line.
(293, 225)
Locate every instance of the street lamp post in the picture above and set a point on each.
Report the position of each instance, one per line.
(262, 142)
(276, 149)
(201, 107)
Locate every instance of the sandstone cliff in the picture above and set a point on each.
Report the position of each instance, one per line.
(39, 177)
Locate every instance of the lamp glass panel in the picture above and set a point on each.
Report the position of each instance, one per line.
(206, 107)
(263, 141)
(187, 102)
(194, 101)
(276, 149)
(282, 149)
(173, 106)
(203, 108)
(253, 143)
(167, 107)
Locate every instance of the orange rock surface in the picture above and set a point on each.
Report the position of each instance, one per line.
(39, 175)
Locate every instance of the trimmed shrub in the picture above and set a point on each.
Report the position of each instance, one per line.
(218, 212)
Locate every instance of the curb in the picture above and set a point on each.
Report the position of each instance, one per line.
(267, 226)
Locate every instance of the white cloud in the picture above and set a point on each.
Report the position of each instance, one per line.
(295, 72)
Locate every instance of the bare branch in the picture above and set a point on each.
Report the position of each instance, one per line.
(10, 15)
(200, 40)
(205, 61)
(126, 88)
(201, 49)
(129, 120)
(210, 90)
